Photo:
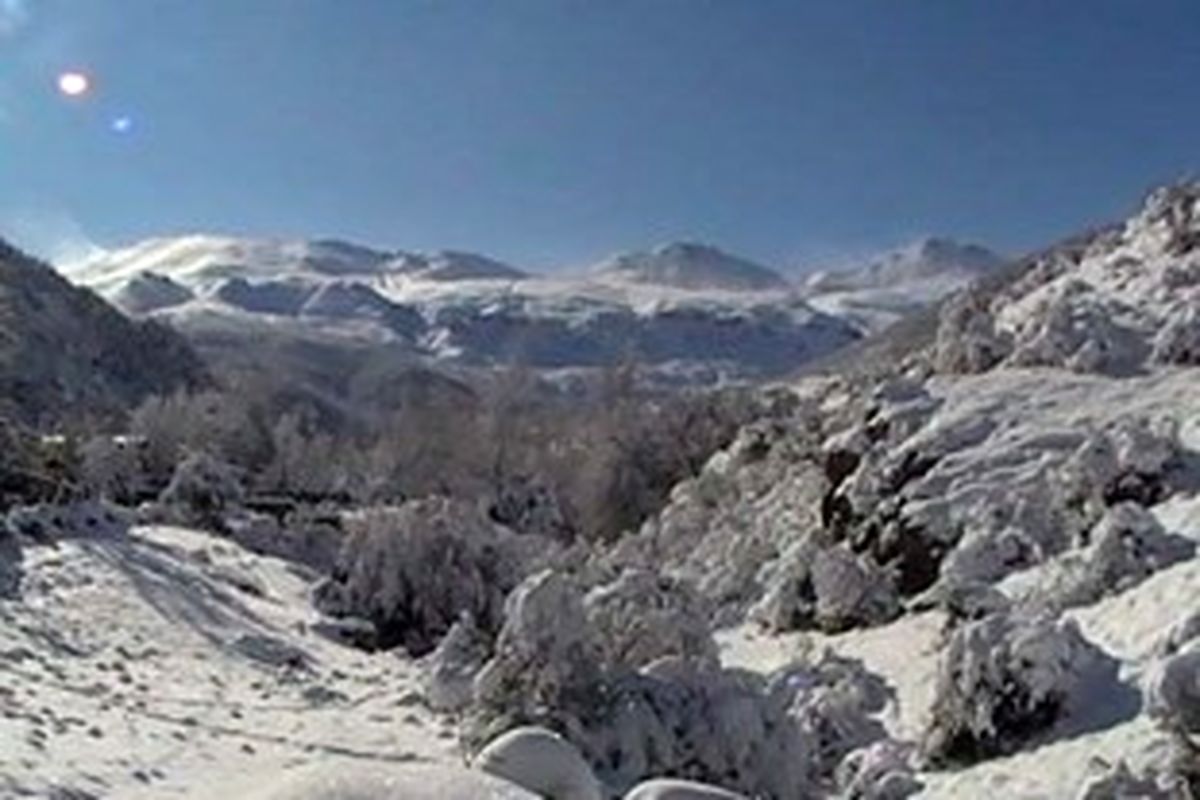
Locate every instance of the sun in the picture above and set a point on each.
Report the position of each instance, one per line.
(74, 84)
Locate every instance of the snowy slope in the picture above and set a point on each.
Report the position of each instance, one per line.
(168, 663)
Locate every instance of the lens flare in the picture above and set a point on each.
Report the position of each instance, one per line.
(74, 84)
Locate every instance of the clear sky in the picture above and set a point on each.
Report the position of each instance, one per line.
(555, 131)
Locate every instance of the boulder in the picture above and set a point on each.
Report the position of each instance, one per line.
(542, 762)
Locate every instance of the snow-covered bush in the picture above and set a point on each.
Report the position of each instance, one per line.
(1074, 330)
(113, 467)
(1131, 459)
(773, 737)
(641, 617)
(1005, 679)
(1125, 547)
(527, 506)
(308, 535)
(202, 491)
(414, 569)
(546, 660)
(748, 504)
(829, 588)
(967, 339)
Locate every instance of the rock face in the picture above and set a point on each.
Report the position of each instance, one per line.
(64, 351)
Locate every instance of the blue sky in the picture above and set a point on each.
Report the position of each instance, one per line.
(555, 131)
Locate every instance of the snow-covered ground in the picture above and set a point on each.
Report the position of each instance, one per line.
(171, 663)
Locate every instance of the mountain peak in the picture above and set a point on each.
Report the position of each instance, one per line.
(690, 265)
(929, 259)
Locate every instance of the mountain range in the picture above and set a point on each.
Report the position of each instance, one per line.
(687, 311)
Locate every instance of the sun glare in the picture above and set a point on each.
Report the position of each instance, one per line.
(73, 84)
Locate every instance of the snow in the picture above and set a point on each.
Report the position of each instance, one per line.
(123, 676)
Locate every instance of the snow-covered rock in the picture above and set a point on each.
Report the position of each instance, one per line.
(1115, 302)
(672, 789)
(1172, 689)
(449, 671)
(882, 770)
(1125, 547)
(541, 761)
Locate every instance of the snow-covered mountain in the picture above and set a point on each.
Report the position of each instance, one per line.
(683, 309)
(687, 265)
(929, 259)
(971, 571)
(877, 291)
